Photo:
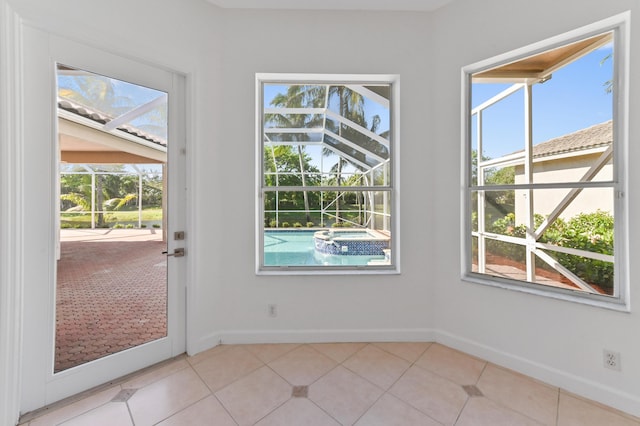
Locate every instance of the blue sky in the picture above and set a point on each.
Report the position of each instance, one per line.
(574, 98)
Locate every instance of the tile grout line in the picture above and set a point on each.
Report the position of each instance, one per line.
(213, 393)
(309, 385)
(558, 408)
(340, 364)
(413, 364)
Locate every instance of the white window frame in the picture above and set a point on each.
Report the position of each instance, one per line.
(620, 26)
(393, 188)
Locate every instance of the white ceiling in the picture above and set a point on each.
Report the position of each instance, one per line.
(399, 5)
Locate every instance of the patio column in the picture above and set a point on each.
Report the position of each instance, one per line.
(528, 176)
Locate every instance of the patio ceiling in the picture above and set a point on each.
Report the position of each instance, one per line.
(81, 143)
(542, 65)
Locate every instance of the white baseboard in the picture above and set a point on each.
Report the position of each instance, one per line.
(313, 336)
(561, 379)
(569, 382)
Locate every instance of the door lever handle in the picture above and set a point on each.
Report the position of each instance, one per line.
(179, 252)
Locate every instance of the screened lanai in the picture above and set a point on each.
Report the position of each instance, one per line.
(542, 207)
(113, 149)
(326, 155)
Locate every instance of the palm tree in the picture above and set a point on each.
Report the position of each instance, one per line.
(91, 90)
(351, 107)
(349, 104)
(297, 96)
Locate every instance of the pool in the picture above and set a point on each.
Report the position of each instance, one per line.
(297, 248)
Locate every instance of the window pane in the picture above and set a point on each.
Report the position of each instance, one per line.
(572, 113)
(547, 120)
(579, 238)
(104, 99)
(351, 223)
(322, 147)
(502, 123)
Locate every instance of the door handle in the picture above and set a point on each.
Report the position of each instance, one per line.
(179, 252)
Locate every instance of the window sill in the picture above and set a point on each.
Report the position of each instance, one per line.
(293, 270)
(600, 301)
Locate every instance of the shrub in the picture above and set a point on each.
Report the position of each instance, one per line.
(129, 226)
(586, 231)
(590, 232)
(273, 224)
(310, 224)
(155, 225)
(285, 224)
(144, 225)
(337, 225)
(118, 226)
(297, 225)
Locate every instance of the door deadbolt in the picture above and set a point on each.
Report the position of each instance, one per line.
(179, 252)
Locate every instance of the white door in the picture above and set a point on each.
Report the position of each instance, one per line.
(41, 222)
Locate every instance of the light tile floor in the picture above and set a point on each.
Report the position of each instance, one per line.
(376, 384)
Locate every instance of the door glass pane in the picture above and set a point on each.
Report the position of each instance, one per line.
(111, 290)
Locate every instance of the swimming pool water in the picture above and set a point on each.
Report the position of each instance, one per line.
(296, 248)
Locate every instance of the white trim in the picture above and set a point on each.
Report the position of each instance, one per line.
(11, 280)
(232, 337)
(559, 378)
(619, 24)
(319, 79)
(39, 385)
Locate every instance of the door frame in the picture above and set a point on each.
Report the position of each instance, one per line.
(40, 51)
(10, 219)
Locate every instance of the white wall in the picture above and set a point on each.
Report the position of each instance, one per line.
(221, 50)
(559, 342)
(327, 307)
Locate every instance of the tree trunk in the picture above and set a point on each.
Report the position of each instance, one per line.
(304, 185)
(99, 201)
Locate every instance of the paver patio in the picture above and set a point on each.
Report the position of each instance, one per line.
(111, 293)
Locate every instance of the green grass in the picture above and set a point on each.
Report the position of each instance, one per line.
(300, 217)
(150, 216)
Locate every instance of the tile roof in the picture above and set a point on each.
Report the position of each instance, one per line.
(591, 137)
(102, 118)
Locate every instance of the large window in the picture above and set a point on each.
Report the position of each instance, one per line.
(545, 167)
(327, 151)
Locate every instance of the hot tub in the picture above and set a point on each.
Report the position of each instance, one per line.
(351, 242)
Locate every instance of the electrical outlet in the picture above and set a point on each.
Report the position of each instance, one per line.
(272, 310)
(612, 360)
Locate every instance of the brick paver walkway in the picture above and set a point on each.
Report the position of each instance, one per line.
(111, 294)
